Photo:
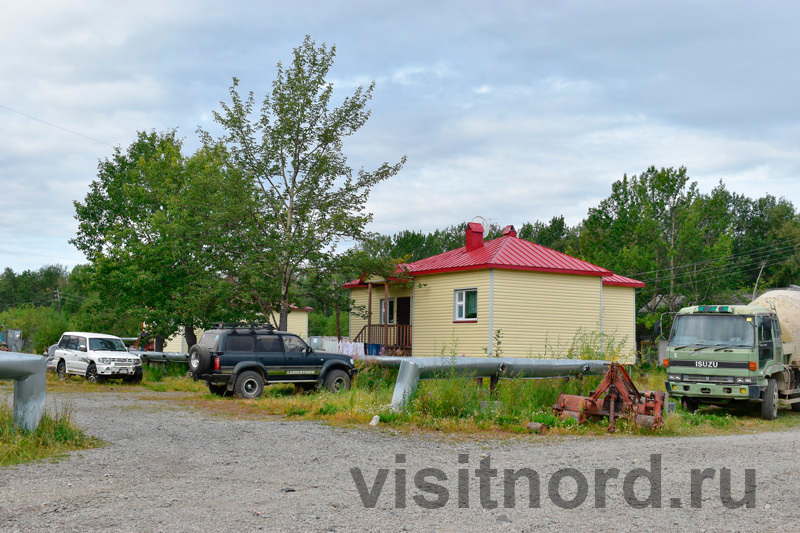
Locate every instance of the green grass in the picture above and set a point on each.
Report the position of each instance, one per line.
(55, 435)
(453, 405)
(448, 405)
(155, 372)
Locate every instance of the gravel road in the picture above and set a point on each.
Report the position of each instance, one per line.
(171, 468)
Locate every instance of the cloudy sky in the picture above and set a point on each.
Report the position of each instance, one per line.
(511, 110)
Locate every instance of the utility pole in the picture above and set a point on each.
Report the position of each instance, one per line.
(58, 297)
(763, 263)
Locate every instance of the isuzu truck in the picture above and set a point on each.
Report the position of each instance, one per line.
(736, 354)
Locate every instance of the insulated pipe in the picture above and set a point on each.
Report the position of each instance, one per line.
(412, 369)
(175, 357)
(29, 373)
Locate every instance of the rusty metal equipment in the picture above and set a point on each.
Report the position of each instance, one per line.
(615, 396)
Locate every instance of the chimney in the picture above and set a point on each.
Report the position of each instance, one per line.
(509, 230)
(474, 236)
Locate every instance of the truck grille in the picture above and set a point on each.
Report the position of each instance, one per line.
(707, 379)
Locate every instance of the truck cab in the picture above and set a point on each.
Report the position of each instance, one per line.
(724, 354)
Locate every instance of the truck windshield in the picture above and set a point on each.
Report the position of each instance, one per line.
(712, 330)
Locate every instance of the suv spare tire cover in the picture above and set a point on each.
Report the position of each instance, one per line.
(201, 357)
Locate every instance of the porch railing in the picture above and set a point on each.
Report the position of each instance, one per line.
(391, 335)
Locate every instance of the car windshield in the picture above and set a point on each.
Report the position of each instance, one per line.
(712, 330)
(107, 345)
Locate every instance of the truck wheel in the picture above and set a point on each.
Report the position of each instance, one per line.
(249, 384)
(199, 359)
(796, 407)
(217, 389)
(769, 405)
(690, 404)
(61, 370)
(337, 381)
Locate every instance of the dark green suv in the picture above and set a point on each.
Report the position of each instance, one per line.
(241, 359)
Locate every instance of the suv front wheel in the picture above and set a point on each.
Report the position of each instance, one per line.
(337, 381)
(249, 384)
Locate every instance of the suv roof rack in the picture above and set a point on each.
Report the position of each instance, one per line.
(251, 326)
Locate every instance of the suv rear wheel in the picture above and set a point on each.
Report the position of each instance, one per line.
(217, 389)
(199, 359)
(249, 384)
(337, 381)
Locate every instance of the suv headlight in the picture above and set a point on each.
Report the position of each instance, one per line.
(673, 377)
(136, 361)
(104, 361)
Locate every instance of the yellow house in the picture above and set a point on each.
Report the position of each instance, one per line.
(297, 323)
(537, 302)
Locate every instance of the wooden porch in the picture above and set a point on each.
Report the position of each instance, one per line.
(385, 335)
(394, 331)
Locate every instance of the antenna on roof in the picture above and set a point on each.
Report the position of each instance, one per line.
(482, 221)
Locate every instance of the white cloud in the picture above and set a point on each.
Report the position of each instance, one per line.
(514, 111)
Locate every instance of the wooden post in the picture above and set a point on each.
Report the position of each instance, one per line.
(369, 313)
(386, 312)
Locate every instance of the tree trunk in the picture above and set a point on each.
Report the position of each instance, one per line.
(283, 320)
(338, 324)
(188, 334)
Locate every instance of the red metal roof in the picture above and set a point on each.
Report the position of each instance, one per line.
(510, 253)
(622, 281)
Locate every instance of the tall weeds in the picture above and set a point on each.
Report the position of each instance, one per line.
(56, 434)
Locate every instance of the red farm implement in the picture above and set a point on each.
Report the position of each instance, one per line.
(615, 396)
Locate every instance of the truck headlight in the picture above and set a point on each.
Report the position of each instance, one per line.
(673, 377)
(744, 380)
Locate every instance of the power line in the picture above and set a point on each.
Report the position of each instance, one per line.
(727, 257)
(55, 126)
(755, 259)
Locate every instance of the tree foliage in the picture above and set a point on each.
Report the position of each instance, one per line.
(143, 239)
(300, 196)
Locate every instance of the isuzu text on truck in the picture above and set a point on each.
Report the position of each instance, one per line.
(726, 354)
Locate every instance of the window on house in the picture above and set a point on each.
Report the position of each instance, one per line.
(391, 311)
(465, 304)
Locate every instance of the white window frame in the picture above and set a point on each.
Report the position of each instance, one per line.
(392, 311)
(460, 305)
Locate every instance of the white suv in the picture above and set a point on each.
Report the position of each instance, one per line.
(96, 356)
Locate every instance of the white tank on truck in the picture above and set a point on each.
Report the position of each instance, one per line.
(786, 304)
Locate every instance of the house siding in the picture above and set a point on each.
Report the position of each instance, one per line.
(619, 323)
(177, 343)
(297, 323)
(542, 314)
(434, 329)
(359, 297)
